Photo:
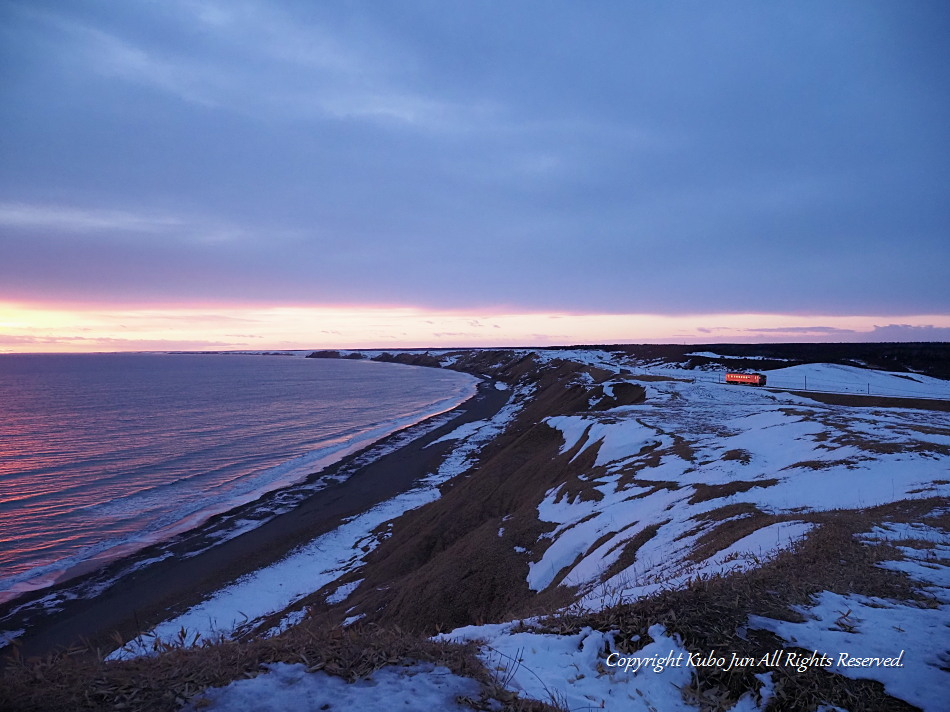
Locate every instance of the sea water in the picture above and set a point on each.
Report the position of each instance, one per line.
(104, 454)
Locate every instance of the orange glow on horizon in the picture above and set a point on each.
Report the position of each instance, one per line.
(33, 328)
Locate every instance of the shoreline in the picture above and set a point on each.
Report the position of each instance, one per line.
(144, 597)
(143, 507)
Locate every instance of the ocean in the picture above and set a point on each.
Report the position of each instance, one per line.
(102, 455)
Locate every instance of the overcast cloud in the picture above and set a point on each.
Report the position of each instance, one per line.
(621, 157)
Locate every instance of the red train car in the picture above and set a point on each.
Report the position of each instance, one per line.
(748, 379)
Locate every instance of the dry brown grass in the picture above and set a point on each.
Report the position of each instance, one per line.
(704, 493)
(623, 394)
(929, 430)
(743, 456)
(650, 378)
(803, 414)
(850, 463)
(873, 401)
(737, 509)
(651, 456)
(681, 448)
(728, 532)
(630, 549)
(932, 487)
(868, 444)
(653, 485)
(444, 565)
(69, 682)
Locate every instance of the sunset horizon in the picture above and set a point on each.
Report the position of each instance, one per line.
(101, 328)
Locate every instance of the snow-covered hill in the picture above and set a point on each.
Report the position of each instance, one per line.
(603, 511)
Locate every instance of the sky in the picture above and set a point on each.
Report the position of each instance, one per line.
(266, 174)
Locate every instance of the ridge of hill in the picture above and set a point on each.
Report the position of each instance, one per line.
(623, 510)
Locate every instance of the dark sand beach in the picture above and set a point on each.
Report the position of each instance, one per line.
(155, 592)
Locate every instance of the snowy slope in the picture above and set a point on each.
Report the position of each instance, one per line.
(700, 479)
(850, 379)
(660, 472)
(698, 447)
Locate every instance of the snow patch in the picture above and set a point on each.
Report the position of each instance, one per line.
(868, 627)
(343, 592)
(420, 688)
(579, 671)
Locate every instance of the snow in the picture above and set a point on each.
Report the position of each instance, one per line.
(581, 671)
(343, 592)
(585, 671)
(577, 533)
(463, 456)
(780, 448)
(8, 636)
(288, 621)
(760, 544)
(851, 379)
(273, 588)
(460, 433)
(793, 448)
(925, 555)
(662, 562)
(419, 688)
(572, 429)
(588, 357)
(710, 354)
(899, 531)
(869, 627)
(618, 440)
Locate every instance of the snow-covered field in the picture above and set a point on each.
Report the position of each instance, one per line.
(835, 378)
(697, 447)
(660, 471)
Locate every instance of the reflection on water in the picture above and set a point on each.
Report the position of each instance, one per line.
(104, 452)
